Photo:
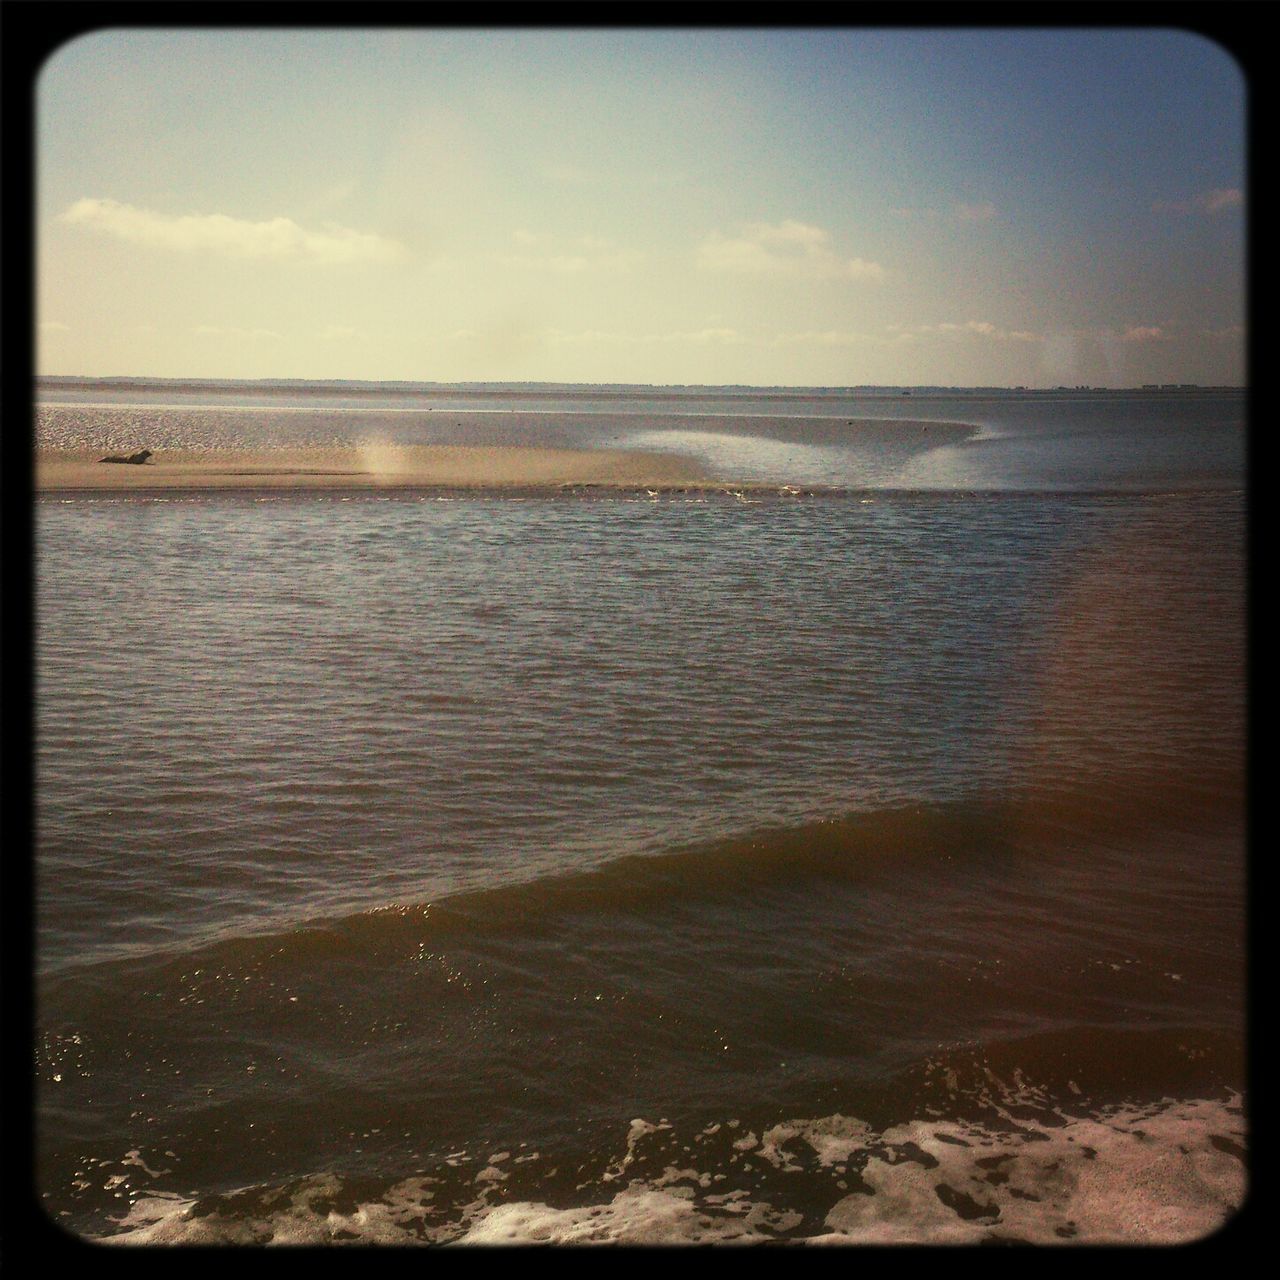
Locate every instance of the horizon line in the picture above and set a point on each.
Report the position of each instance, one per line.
(557, 384)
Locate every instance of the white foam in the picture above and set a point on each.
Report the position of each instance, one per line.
(636, 1215)
(1128, 1176)
(1167, 1173)
(297, 1217)
(1133, 1175)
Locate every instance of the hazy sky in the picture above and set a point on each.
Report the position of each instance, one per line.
(810, 207)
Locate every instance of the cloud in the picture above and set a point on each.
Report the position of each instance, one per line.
(54, 326)
(217, 233)
(967, 328)
(712, 335)
(975, 212)
(335, 331)
(822, 338)
(699, 336)
(1144, 333)
(784, 249)
(1206, 202)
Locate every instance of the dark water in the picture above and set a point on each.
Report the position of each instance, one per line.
(867, 865)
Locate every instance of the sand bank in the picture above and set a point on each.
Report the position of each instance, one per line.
(368, 467)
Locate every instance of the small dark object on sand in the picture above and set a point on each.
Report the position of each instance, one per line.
(136, 458)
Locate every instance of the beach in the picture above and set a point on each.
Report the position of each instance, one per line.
(369, 466)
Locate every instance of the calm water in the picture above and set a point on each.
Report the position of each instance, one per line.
(433, 866)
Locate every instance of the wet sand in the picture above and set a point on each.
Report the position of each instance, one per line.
(368, 467)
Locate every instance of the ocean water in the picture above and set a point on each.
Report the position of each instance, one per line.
(864, 863)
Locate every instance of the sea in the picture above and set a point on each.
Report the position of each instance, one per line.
(850, 852)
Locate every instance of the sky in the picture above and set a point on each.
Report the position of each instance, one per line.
(808, 207)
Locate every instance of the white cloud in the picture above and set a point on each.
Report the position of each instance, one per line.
(712, 335)
(699, 336)
(786, 248)
(54, 326)
(1144, 333)
(967, 328)
(335, 331)
(821, 338)
(975, 212)
(278, 238)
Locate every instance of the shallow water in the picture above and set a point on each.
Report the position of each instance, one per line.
(1075, 442)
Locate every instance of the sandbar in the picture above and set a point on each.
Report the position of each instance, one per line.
(368, 467)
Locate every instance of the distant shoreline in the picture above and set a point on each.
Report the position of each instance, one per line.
(534, 390)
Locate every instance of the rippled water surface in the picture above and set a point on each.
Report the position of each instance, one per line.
(263, 710)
